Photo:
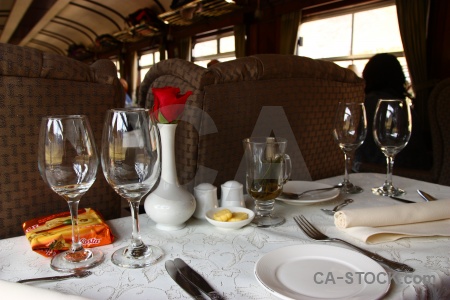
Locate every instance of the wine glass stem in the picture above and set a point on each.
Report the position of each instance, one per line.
(390, 168)
(136, 240)
(76, 244)
(348, 166)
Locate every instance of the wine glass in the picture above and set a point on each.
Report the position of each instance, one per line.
(391, 131)
(350, 130)
(68, 163)
(131, 165)
(268, 168)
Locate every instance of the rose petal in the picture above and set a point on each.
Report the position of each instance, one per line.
(169, 102)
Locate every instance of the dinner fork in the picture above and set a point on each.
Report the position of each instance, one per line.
(313, 233)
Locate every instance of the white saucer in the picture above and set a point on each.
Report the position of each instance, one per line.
(321, 272)
(315, 197)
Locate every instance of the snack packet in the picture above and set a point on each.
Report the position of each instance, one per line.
(52, 234)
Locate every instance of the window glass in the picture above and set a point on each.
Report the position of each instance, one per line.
(142, 73)
(219, 47)
(356, 65)
(351, 39)
(227, 44)
(376, 31)
(117, 64)
(329, 37)
(205, 48)
(146, 59)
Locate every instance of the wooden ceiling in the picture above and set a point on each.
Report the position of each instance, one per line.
(55, 25)
(58, 25)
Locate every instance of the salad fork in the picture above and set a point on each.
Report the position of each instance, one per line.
(313, 233)
(59, 277)
(294, 196)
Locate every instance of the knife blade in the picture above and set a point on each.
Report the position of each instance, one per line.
(196, 279)
(401, 199)
(426, 196)
(182, 282)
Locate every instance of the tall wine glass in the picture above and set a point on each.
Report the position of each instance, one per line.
(350, 130)
(131, 165)
(391, 131)
(268, 168)
(68, 163)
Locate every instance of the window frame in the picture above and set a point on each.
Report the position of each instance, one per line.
(148, 66)
(216, 35)
(345, 11)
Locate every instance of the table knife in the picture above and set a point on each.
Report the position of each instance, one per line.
(196, 279)
(401, 199)
(426, 196)
(182, 282)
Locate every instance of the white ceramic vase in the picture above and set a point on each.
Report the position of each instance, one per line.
(169, 205)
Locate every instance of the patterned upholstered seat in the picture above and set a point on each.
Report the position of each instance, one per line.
(439, 115)
(293, 97)
(34, 84)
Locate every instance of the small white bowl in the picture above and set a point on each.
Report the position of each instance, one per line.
(230, 225)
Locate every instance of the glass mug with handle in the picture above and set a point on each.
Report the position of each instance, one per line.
(268, 169)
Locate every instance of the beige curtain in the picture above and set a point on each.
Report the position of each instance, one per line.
(184, 48)
(239, 40)
(413, 18)
(288, 34)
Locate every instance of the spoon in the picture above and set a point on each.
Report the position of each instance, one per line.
(74, 275)
(294, 196)
(339, 206)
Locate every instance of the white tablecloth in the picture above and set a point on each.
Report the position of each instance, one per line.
(227, 258)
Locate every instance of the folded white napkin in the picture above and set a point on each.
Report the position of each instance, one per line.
(389, 223)
(14, 290)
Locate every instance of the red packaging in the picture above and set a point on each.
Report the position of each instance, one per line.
(52, 234)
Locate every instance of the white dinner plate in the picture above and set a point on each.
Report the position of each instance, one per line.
(321, 272)
(314, 197)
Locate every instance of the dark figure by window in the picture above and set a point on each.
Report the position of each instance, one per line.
(385, 80)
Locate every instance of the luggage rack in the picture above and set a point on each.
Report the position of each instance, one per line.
(198, 10)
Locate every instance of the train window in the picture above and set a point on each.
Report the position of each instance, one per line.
(146, 61)
(352, 38)
(217, 46)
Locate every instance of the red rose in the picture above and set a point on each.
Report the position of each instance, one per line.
(168, 104)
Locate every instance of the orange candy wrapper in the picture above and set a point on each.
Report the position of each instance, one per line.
(51, 235)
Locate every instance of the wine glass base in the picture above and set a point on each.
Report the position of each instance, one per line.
(123, 257)
(353, 189)
(267, 221)
(388, 192)
(93, 258)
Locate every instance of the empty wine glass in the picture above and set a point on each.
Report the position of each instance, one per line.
(268, 168)
(350, 130)
(68, 163)
(391, 131)
(131, 165)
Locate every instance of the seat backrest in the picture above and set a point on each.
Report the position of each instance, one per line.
(236, 98)
(439, 116)
(34, 84)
